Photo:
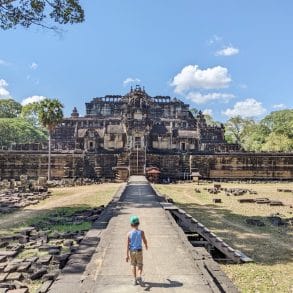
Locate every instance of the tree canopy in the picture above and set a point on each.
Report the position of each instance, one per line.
(273, 133)
(17, 130)
(50, 113)
(43, 13)
(9, 108)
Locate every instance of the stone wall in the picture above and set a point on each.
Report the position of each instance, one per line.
(245, 165)
(175, 166)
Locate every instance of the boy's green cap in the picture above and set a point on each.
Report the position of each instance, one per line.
(134, 220)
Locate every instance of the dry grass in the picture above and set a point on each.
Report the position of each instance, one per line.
(269, 246)
(87, 196)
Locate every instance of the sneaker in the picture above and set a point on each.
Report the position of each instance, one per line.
(135, 282)
(140, 281)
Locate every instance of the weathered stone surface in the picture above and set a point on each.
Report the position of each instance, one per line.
(8, 253)
(45, 286)
(38, 274)
(44, 260)
(14, 276)
(3, 276)
(11, 267)
(22, 290)
(3, 258)
(23, 267)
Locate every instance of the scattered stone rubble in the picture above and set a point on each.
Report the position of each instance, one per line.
(284, 190)
(217, 188)
(19, 194)
(34, 254)
(261, 200)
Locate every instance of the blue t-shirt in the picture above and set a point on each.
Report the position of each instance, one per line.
(135, 240)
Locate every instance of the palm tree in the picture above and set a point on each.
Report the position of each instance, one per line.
(50, 115)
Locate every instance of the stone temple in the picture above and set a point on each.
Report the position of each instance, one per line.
(131, 134)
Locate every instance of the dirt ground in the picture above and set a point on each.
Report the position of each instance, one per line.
(270, 247)
(87, 196)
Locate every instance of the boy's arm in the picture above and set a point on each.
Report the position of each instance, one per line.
(144, 240)
(127, 248)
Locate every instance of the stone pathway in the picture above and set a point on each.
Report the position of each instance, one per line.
(168, 266)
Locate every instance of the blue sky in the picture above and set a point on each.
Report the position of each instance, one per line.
(224, 57)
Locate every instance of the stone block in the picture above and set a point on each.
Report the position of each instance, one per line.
(8, 253)
(14, 277)
(3, 276)
(45, 286)
(38, 274)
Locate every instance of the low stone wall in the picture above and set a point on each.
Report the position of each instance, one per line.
(258, 166)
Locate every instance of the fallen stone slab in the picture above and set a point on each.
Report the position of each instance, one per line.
(3, 276)
(50, 276)
(8, 253)
(32, 259)
(276, 203)
(3, 258)
(14, 277)
(44, 260)
(217, 200)
(7, 285)
(45, 286)
(2, 266)
(23, 267)
(21, 290)
(246, 200)
(10, 268)
(38, 274)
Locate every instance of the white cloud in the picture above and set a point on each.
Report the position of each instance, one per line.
(279, 106)
(208, 112)
(4, 93)
(200, 98)
(32, 99)
(129, 80)
(34, 66)
(227, 51)
(246, 108)
(192, 77)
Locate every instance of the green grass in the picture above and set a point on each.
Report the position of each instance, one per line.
(60, 216)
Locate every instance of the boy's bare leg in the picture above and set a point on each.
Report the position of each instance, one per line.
(139, 269)
(134, 271)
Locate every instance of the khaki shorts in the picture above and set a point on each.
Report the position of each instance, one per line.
(136, 258)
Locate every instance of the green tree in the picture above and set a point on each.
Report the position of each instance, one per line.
(37, 12)
(278, 143)
(17, 130)
(9, 108)
(234, 129)
(30, 112)
(280, 122)
(50, 115)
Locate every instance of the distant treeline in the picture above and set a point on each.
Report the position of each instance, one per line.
(274, 133)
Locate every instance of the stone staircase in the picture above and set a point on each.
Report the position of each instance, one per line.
(121, 170)
(185, 167)
(136, 162)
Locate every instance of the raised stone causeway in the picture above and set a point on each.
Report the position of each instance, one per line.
(171, 263)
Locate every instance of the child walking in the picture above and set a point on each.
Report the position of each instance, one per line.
(134, 249)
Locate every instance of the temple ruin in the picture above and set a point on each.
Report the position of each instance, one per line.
(125, 135)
